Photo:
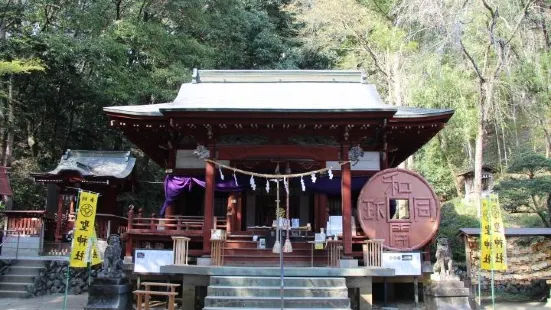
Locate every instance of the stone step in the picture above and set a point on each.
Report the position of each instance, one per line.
(23, 270)
(272, 263)
(278, 308)
(276, 281)
(273, 302)
(28, 263)
(18, 278)
(13, 294)
(248, 291)
(11, 286)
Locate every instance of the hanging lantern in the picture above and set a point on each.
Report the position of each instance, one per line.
(235, 178)
(302, 184)
(330, 172)
(267, 186)
(221, 173)
(314, 177)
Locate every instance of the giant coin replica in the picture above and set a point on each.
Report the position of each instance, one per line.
(401, 208)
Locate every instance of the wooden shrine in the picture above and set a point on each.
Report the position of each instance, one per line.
(272, 121)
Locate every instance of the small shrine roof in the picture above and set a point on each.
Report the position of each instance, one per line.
(277, 91)
(102, 164)
(510, 231)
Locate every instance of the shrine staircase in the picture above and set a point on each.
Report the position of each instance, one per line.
(241, 250)
(240, 293)
(19, 276)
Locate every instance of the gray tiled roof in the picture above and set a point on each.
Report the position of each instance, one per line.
(277, 91)
(95, 164)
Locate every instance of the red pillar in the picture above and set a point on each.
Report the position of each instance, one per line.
(209, 205)
(58, 235)
(128, 242)
(169, 211)
(346, 195)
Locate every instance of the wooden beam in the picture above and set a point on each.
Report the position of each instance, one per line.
(209, 205)
(321, 153)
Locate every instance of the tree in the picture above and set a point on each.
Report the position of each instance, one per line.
(527, 187)
(488, 64)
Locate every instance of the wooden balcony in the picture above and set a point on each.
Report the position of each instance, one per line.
(150, 230)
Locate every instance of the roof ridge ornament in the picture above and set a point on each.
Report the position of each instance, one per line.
(201, 151)
(195, 76)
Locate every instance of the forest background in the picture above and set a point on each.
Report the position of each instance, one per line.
(62, 61)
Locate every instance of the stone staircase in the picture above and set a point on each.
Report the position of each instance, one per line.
(236, 292)
(19, 275)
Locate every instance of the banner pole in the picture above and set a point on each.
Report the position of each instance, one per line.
(492, 252)
(69, 262)
(480, 253)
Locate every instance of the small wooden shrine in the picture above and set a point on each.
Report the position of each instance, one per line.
(282, 122)
(107, 173)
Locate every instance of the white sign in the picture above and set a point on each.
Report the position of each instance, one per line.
(150, 261)
(404, 264)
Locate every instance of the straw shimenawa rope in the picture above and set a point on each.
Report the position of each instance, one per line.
(275, 176)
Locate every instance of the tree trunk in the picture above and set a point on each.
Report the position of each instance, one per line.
(479, 143)
(10, 126)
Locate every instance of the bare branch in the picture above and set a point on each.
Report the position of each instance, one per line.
(524, 14)
(473, 62)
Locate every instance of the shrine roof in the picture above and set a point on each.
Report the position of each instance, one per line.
(94, 164)
(276, 91)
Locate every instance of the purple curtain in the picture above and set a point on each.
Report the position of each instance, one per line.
(175, 185)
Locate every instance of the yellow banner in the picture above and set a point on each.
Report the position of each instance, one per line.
(84, 248)
(493, 243)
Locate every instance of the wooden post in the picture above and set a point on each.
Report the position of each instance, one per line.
(238, 213)
(169, 211)
(230, 214)
(324, 214)
(317, 214)
(58, 235)
(346, 202)
(128, 250)
(209, 205)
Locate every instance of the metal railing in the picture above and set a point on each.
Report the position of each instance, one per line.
(7, 236)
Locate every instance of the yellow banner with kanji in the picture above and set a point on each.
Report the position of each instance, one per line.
(493, 255)
(84, 247)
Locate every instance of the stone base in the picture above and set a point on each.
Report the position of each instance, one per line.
(446, 295)
(203, 261)
(348, 263)
(110, 294)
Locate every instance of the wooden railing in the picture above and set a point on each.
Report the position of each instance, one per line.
(373, 251)
(108, 224)
(24, 222)
(170, 225)
(185, 226)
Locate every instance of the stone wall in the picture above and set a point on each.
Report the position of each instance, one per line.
(53, 276)
(528, 263)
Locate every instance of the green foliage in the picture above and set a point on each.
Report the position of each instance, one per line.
(454, 216)
(527, 187)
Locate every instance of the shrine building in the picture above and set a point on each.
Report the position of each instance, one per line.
(229, 138)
